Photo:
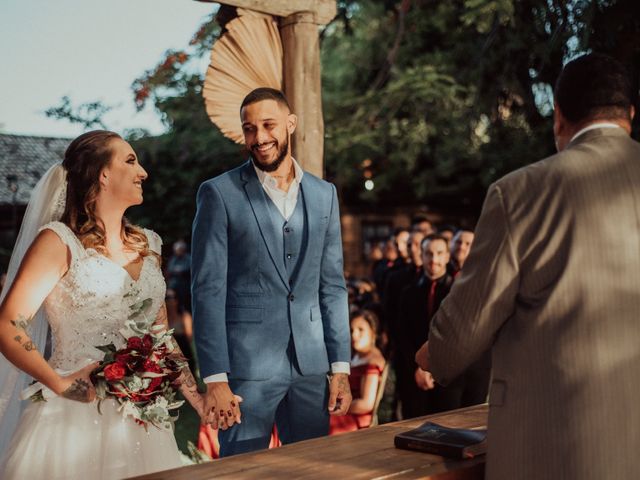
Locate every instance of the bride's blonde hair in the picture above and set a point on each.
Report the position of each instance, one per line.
(84, 159)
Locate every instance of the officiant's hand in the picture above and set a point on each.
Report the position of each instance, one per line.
(221, 406)
(339, 394)
(78, 385)
(422, 357)
(424, 380)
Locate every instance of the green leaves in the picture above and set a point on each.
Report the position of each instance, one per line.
(139, 308)
(438, 100)
(485, 14)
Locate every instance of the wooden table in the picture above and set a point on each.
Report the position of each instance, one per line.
(365, 454)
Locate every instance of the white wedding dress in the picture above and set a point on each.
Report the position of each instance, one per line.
(65, 439)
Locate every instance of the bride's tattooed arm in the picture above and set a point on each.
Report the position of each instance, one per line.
(186, 381)
(21, 336)
(79, 390)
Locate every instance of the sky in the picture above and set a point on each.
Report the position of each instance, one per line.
(87, 50)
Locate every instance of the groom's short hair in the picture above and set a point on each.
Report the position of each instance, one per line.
(594, 86)
(265, 93)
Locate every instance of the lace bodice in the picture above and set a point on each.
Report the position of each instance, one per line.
(91, 302)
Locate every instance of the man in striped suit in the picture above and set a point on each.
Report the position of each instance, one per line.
(557, 300)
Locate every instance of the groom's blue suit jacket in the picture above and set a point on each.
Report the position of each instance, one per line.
(245, 305)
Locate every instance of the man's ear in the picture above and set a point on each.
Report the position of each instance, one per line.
(559, 122)
(292, 123)
(632, 112)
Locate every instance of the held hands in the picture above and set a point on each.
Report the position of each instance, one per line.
(78, 386)
(197, 402)
(424, 380)
(221, 406)
(339, 394)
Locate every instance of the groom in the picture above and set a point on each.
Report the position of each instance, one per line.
(269, 298)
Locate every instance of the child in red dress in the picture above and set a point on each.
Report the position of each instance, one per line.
(367, 365)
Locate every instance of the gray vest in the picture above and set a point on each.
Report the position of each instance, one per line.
(293, 233)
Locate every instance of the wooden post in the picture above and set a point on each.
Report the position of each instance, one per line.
(324, 10)
(301, 45)
(301, 64)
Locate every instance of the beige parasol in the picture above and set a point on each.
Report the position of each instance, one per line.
(247, 56)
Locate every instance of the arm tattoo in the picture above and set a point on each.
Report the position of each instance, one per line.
(189, 381)
(79, 391)
(21, 324)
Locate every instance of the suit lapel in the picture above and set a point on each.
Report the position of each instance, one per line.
(258, 200)
(313, 224)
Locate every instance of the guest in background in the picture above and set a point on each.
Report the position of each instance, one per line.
(402, 244)
(397, 281)
(389, 259)
(178, 275)
(460, 247)
(418, 303)
(422, 224)
(375, 255)
(178, 298)
(367, 365)
(401, 241)
(447, 231)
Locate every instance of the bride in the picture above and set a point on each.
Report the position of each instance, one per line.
(79, 258)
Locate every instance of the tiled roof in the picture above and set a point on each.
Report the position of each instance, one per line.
(28, 158)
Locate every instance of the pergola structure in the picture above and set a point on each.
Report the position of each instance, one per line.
(298, 22)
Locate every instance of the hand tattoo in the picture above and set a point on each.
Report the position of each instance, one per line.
(79, 391)
(343, 383)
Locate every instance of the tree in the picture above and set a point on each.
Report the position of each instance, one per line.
(435, 100)
(430, 100)
(190, 151)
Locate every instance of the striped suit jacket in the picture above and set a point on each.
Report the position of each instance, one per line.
(552, 284)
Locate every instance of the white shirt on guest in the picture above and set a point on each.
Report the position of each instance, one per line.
(286, 203)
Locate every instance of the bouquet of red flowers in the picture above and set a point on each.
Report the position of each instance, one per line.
(141, 376)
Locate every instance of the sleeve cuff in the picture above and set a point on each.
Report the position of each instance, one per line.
(340, 367)
(218, 377)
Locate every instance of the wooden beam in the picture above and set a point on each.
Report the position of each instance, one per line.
(301, 65)
(323, 10)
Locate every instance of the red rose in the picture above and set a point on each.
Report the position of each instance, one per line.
(134, 343)
(147, 342)
(114, 372)
(151, 366)
(123, 358)
(155, 383)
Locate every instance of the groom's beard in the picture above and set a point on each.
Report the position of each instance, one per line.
(273, 166)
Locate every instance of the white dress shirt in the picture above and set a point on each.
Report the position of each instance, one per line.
(593, 126)
(286, 203)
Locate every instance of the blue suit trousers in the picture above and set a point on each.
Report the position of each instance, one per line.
(297, 405)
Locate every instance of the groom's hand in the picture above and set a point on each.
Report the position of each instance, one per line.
(221, 406)
(339, 394)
